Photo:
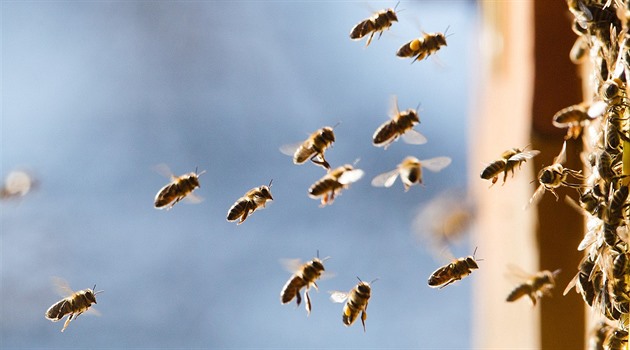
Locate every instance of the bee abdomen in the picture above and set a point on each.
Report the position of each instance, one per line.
(323, 186)
(384, 134)
(362, 29)
(292, 289)
(237, 210)
(493, 169)
(518, 292)
(59, 310)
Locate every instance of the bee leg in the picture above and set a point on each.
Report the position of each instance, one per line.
(363, 318)
(65, 324)
(369, 40)
(315, 285)
(554, 193)
(298, 298)
(308, 302)
(321, 162)
(245, 213)
(532, 297)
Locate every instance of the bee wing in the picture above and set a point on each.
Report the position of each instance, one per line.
(289, 149)
(337, 296)
(516, 274)
(393, 109)
(536, 196)
(62, 287)
(562, 156)
(414, 137)
(164, 170)
(436, 164)
(386, 179)
(350, 176)
(291, 265)
(597, 109)
(524, 155)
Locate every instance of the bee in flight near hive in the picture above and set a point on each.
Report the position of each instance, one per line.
(333, 182)
(400, 124)
(74, 304)
(534, 286)
(509, 160)
(254, 199)
(312, 148)
(179, 188)
(379, 22)
(454, 271)
(305, 275)
(573, 118)
(18, 183)
(357, 302)
(410, 171)
(554, 176)
(423, 47)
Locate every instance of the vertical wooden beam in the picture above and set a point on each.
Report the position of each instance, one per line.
(560, 227)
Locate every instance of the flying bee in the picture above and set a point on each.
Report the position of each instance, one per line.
(178, 189)
(422, 47)
(573, 118)
(379, 22)
(509, 160)
(74, 305)
(312, 148)
(554, 176)
(535, 287)
(400, 124)
(455, 271)
(357, 302)
(18, 183)
(254, 199)
(410, 171)
(333, 182)
(304, 276)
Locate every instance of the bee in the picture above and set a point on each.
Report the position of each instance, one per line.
(614, 215)
(379, 22)
(178, 189)
(74, 305)
(410, 171)
(357, 302)
(18, 183)
(509, 160)
(422, 47)
(586, 281)
(455, 271)
(305, 276)
(312, 148)
(598, 335)
(249, 203)
(616, 339)
(573, 118)
(554, 176)
(333, 182)
(400, 124)
(536, 286)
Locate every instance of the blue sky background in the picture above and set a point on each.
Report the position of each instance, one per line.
(96, 94)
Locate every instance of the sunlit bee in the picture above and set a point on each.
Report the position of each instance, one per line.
(586, 281)
(73, 305)
(17, 184)
(379, 22)
(312, 148)
(332, 183)
(535, 287)
(357, 302)
(554, 176)
(508, 162)
(422, 47)
(178, 189)
(410, 171)
(455, 271)
(615, 130)
(304, 276)
(598, 335)
(616, 339)
(254, 199)
(614, 215)
(400, 124)
(612, 91)
(573, 118)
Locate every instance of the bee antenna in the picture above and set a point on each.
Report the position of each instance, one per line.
(356, 161)
(317, 253)
(374, 280)
(446, 36)
(95, 292)
(270, 183)
(359, 279)
(475, 252)
(334, 126)
(395, 7)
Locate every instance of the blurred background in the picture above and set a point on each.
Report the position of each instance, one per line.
(96, 94)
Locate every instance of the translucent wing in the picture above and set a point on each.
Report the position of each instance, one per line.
(524, 156)
(562, 156)
(436, 164)
(536, 196)
(385, 179)
(350, 176)
(516, 274)
(393, 109)
(164, 170)
(289, 149)
(291, 265)
(597, 109)
(62, 287)
(338, 297)
(413, 137)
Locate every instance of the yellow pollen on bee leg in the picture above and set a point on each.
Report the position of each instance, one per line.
(414, 45)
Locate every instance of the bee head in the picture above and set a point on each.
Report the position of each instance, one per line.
(390, 14)
(327, 134)
(265, 191)
(317, 264)
(546, 176)
(471, 262)
(90, 294)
